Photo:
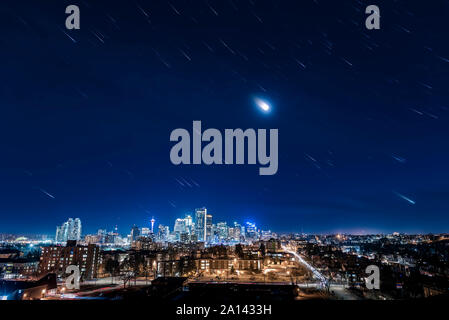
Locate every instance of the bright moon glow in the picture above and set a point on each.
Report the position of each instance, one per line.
(262, 104)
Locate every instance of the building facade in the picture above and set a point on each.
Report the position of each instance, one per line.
(69, 230)
(58, 258)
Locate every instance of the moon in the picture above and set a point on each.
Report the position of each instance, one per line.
(262, 104)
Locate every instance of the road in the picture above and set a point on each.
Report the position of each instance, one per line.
(117, 280)
(315, 272)
(342, 293)
(338, 290)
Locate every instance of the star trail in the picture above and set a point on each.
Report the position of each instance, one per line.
(362, 114)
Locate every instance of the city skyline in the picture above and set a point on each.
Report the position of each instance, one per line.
(181, 222)
(301, 228)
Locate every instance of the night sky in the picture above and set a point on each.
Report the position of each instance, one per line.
(363, 116)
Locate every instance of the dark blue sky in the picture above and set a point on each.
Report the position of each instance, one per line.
(362, 115)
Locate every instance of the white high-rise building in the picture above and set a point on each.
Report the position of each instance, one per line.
(189, 223)
(59, 234)
(76, 230)
(180, 226)
(70, 230)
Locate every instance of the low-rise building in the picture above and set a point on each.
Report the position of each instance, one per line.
(18, 267)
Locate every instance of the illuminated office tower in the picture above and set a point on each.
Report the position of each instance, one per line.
(101, 235)
(242, 233)
(231, 233)
(251, 230)
(200, 217)
(215, 237)
(203, 225)
(135, 233)
(180, 228)
(237, 231)
(163, 233)
(189, 223)
(166, 232)
(266, 234)
(160, 233)
(146, 232)
(222, 231)
(209, 228)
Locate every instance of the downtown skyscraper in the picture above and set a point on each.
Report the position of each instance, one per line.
(203, 225)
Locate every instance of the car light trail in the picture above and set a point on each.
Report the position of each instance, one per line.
(315, 272)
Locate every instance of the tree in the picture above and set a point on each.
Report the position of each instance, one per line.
(232, 271)
(112, 267)
(262, 249)
(239, 250)
(145, 269)
(136, 263)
